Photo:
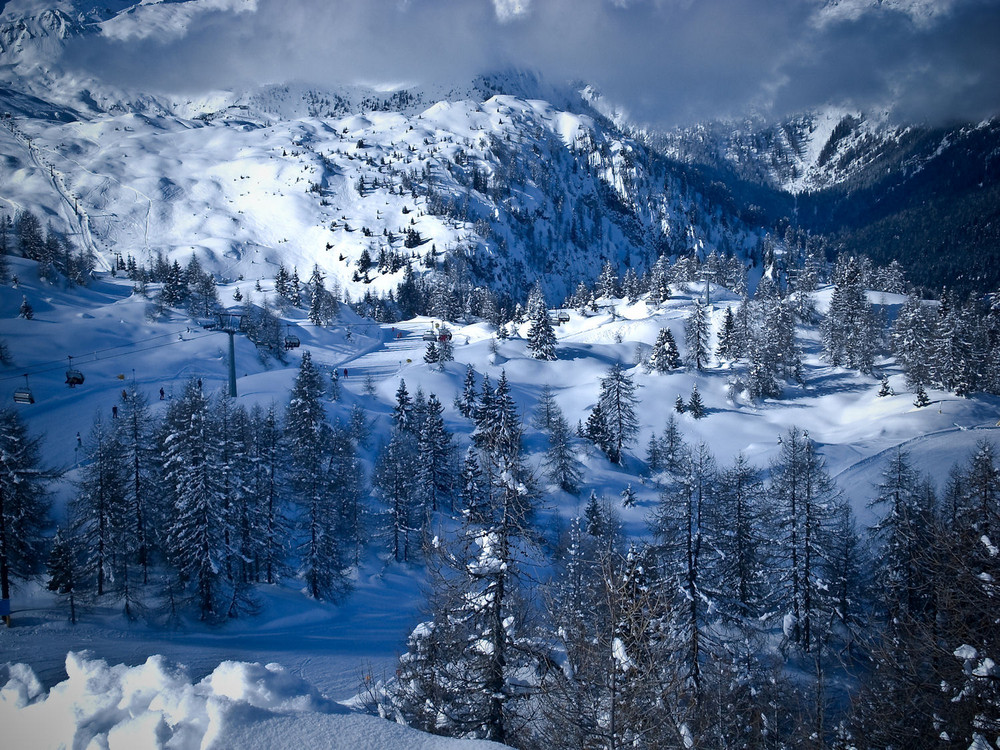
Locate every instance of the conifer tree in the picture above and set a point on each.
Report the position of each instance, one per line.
(322, 558)
(547, 410)
(431, 353)
(740, 509)
(728, 347)
(473, 490)
(435, 446)
(264, 485)
(63, 568)
(395, 469)
(99, 510)
(466, 400)
(541, 335)
(697, 330)
(695, 405)
(806, 501)
(197, 524)
(664, 356)
(618, 402)
(560, 459)
(135, 432)
(23, 500)
(628, 496)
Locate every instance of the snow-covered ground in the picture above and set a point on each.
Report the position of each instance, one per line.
(333, 648)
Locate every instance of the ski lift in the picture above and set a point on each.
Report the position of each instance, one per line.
(563, 317)
(554, 320)
(73, 377)
(430, 335)
(444, 335)
(292, 342)
(24, 395)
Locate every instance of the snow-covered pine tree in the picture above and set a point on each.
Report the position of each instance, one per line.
(741, 567)
(461, 674)
(697, 330)
(402, 412)
(135, 429)
(431, 353)
(267, 468)
(659, 280)
(920, 400)
(607, 282)
(322, 305)
(560, 457)
(395, 469)
(695, 405)
(308, 435)
(664, 356)
(618, 401)
(902, 534)
(631, 286)
(473, 488)
(687, 544)
(728, 348)
(436, 448)
(347, 490)
(64, 569)
(546, 411)
(884, 388)
(911, 336)
(806, 501)
(850, 330)
(196, 528)
(445, 347)
(541, 335)
(628, 496)
(465, 402)
(99, 512)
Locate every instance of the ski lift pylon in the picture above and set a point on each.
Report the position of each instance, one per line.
(24, 395)
(73, 377)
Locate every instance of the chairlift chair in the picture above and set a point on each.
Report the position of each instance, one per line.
(429, 336)
(24, 395)
(292, 342)
(73, 377)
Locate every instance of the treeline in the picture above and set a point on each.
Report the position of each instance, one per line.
(24, 236)
(189, 512)
(743, 622)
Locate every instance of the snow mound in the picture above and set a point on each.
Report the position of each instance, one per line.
(156, 704)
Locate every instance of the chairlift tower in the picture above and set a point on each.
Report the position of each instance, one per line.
(231, 323)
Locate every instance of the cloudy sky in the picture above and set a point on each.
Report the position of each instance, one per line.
(665, 62)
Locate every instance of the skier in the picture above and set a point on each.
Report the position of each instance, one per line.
(162, 394)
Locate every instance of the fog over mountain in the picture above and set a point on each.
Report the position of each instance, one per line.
(665, 62)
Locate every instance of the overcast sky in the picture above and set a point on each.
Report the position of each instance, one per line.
(665, 62)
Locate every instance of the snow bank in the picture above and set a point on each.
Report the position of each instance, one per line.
(156, 704)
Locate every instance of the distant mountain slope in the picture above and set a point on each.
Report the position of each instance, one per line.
(924, 196)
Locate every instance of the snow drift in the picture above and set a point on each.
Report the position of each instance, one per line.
(157, 705)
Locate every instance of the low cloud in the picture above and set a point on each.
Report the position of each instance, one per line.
(666, 62)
